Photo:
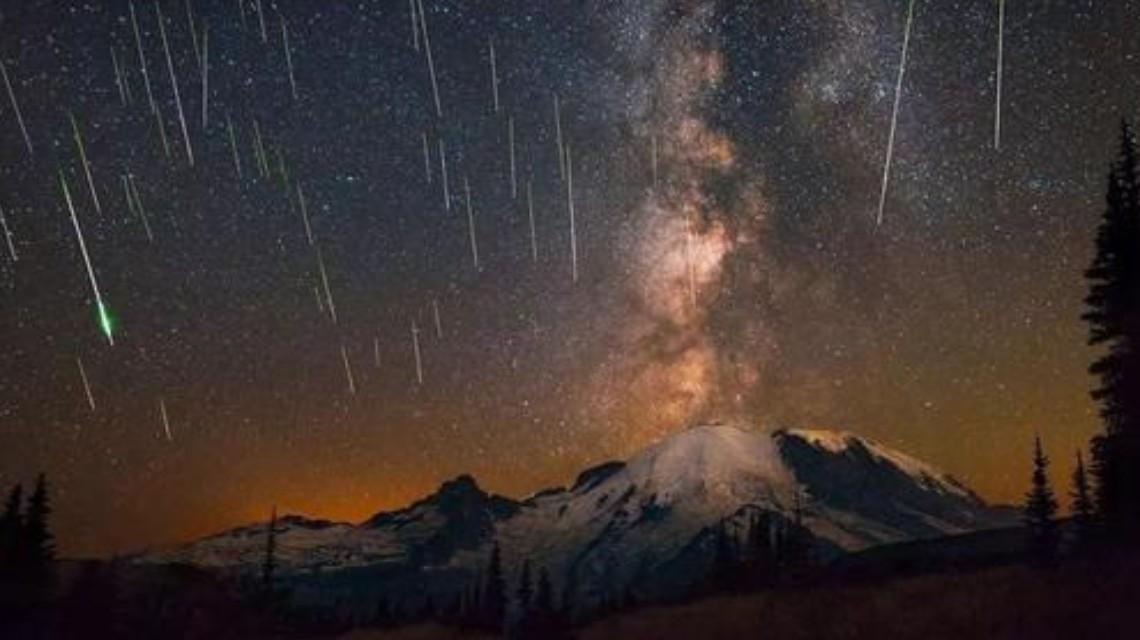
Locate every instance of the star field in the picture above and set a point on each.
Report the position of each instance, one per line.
(727, 161)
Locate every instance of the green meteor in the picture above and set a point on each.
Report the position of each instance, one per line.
(104, 317)
(106, 322)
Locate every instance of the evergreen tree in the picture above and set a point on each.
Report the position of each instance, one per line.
(568, 605)
(762, 562)
(726, 559)
(1041, 507)
(494, 592)
(794, 542)
(1114, 323)
(472, 602)
(526, 589)
(11, 532)
(544, 621)
(269, 566)
(429, 610)
(37, 547)
(382, 615)
(1082, 506)
(544, 595)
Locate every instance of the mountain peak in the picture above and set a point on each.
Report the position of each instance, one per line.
(596, 474)
(460, 485)
(731, 462)
(638, 521)
(844, 443)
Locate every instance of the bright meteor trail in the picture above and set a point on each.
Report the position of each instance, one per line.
(174, 84)
(16, 107)
(142, 60)
(85, 163)
(416, 353)
(1000, 63)
(895, 113)
(430, 62)
(104, 317)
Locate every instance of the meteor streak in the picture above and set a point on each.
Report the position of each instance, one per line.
(127, 193)
(132, 190)
(233, 146)
(193, 32)
(435, 315)
(530, 217)
(8, 236)
(347, 370)
(261, 21)
(161, 131)
(415, 26)
(511, 144)
(142, 59)
(416, 351)
(895, 113)
(305, 214)
(16, 107)
(570, 206)
(471, 225)
(443, 175)
(105, 322)
(205, 61)
(259, 150)
(494, 75)
(282, 170)
(1000, 64)
(165, 419)
(86, 384)
(558, 139)
(118, 77)
(431, 63)
(427, 159)
(288, 56)
(174, 83)
(85, 163)
(325, 283)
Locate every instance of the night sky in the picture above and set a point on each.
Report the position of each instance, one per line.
(743, 280)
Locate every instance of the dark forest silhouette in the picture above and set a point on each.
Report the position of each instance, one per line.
(27, 547)
(1114, 322)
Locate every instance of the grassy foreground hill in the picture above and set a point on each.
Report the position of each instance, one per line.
(1093, 598)
(1090, 598)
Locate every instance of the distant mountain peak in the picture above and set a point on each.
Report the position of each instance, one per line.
(844, 443)
(462, 484)
(596, 474)
(459, 499)
(645, 521)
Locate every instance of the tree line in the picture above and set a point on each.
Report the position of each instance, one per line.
(1106, 506)
(27, 546)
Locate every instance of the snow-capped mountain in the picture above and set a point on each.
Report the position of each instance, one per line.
(645, 523)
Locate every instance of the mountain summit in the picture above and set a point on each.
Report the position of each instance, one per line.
(645, 523)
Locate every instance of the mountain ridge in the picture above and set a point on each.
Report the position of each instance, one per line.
(643, 523)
